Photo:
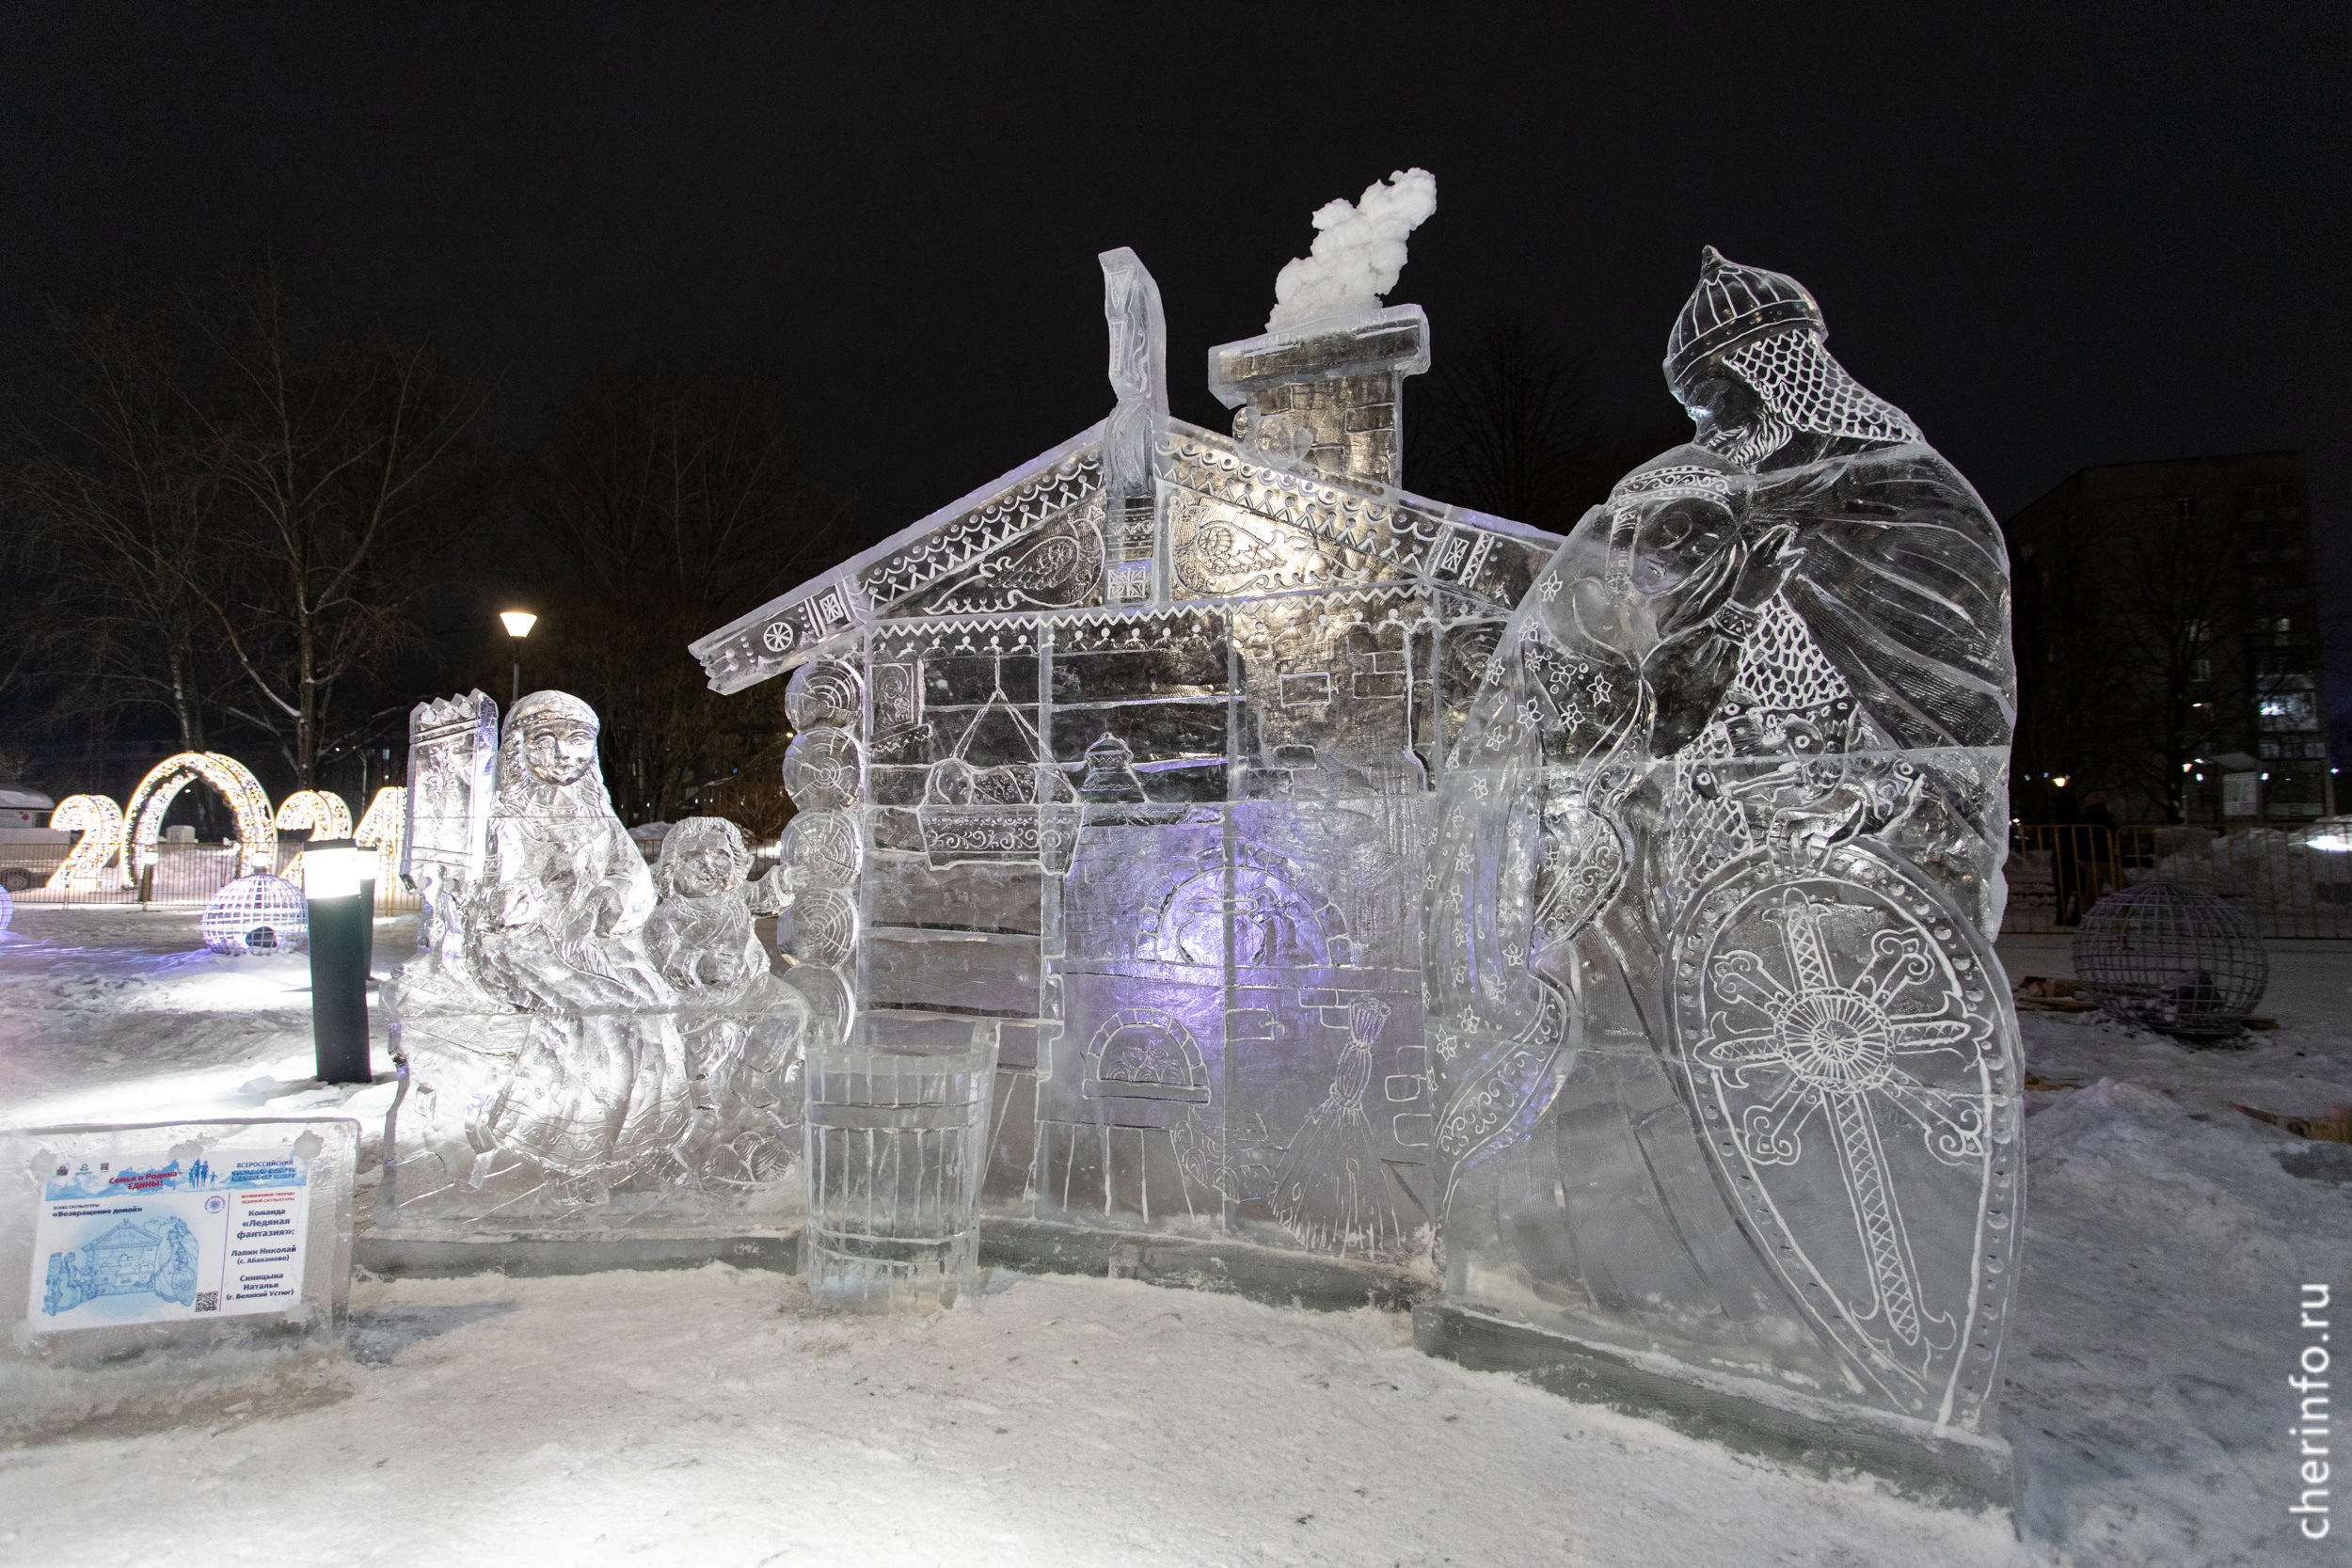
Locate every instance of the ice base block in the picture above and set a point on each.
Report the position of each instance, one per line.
(1933, 1464)
(1278, 1277)
(1274, 1276)
(416, 1253)
(675, 1122)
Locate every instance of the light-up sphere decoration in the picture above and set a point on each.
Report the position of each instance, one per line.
(260, 914)
(2172, 956)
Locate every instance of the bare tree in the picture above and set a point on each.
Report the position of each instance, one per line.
(2132, 658)
(1509, 424)
(674, 504)
(346, 470)
(117, 502)
(230, 510)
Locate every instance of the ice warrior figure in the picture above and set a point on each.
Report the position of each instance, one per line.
(1723, 1055)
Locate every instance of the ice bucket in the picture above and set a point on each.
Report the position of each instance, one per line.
(897, 1144)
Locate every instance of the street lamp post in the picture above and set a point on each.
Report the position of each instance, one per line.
(518, 624)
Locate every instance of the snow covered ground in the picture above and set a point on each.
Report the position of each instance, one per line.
(707, 1416)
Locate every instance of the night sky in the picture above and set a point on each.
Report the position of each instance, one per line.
(2055, 241)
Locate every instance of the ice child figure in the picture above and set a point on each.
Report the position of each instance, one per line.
(743, 1027)
(700, 934)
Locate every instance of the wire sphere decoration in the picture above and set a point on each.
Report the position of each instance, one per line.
(260, 914)
(2172, 957)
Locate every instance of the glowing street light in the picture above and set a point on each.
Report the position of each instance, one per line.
(518, 624)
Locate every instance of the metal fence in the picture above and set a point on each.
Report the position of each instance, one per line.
(183, 875)
(2288, 882)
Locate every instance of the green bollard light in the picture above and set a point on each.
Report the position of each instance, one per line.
(343, 930)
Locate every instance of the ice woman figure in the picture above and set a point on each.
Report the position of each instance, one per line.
(1724, 1063)
(556, 924)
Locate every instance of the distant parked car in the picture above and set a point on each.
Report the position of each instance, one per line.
(28, 849)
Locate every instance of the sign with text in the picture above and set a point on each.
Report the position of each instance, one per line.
(163, 1239)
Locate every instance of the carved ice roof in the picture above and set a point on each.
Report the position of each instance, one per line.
(1213, 520)
(968, 558)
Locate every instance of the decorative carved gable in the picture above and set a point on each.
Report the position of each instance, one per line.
(1222, 522)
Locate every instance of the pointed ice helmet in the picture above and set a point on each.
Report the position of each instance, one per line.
(1732, 305)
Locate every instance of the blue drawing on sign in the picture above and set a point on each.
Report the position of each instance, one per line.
(156, 1255)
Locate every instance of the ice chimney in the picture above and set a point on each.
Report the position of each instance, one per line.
(1323, 384)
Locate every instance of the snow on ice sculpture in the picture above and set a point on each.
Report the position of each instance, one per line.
(584, 1041)
(1726, 1064)
(1121, 766)
(256, 914)
(99, 821)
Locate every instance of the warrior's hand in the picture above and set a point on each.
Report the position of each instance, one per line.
(1769, 558)
(1690, 671)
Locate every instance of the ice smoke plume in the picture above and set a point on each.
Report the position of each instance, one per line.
(1358, 253)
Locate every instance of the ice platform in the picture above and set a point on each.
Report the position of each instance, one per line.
(1934, 1465)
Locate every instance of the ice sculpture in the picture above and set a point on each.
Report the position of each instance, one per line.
(1726, 1067)
(898, 1141)
(1357, 255)
(1119, 769)
(584, 1041)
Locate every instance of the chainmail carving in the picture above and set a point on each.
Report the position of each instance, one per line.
(1784, 676)
(1783, 668)
(1762, 899)
(1807, 390)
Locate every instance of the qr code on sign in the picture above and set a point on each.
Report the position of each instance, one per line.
(208, 1301)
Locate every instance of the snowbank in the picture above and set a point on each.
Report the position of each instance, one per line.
(710, 1417)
